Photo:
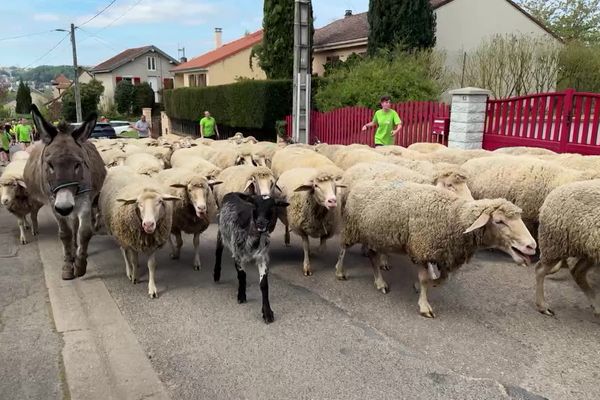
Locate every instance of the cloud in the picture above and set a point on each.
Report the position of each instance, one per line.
(150, 11)
(46, 17)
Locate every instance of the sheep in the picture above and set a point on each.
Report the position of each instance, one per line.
(526, 181)
(392, 150)
(245, 179)
(205, 152)
(426, 147)
(137, 212)
(244, 223)
(263, 152)
(568, 234)
(574, 161)
(113, 157)
(196, 210)
(436, 229)
(196, 164)
(311, 193)
(351, 156)
(523, 150)
(452, 156)
(228, 157)
(296, 157)
(329, 150)
(144, 164)
(162, 154)
(14, 196)
(19, 155)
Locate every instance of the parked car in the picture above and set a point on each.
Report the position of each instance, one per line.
(102, 130)
(120, 126)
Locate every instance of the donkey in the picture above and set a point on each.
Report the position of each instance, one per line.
(67, 172)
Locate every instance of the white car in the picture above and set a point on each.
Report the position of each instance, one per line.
(121, 126)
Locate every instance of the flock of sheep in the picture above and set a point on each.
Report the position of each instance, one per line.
(435, 204)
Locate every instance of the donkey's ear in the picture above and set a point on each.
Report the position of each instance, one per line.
(46, 130)
(83, 133)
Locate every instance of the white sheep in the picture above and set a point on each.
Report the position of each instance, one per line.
(351, 156)
(113, 157)
(197, 164)
(196, 210)
(436, 229)
(14, 196)
(423, 147)
(296, 157)
(228, 157)
(312, 210)
(137, 212)
(144, 164)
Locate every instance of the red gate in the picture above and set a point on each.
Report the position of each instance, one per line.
(422, 121)
(565, 122)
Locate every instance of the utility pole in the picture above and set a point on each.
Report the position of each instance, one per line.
(76, 80)
(302, 68)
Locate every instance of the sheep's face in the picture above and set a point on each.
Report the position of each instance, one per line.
(264, 211)
(9, 190)
(455, 183)
(261, 161)
(198, 191)
(262, 185)
(244, 159)
(150, 207)
(323, 191)
(507, 232)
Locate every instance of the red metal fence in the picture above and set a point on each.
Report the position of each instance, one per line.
(422, 121)
(565, 122)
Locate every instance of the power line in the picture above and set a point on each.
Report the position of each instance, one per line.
(49, 51)
(24, 35)
(121, 16)
(99, 12)
(98, 38)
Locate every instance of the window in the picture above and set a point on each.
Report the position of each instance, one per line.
(197, 80)
(151, 63)
(332, 59)
(168, 83)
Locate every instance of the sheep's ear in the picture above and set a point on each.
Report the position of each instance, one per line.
(281, 203)
(46, 130)
(276, 186)
(339, 185)
(21, 183)
(178, 186)
(305, 187)
(168, 197)
(212, 182)
(248, 184)
(479, 223)
(127, 201)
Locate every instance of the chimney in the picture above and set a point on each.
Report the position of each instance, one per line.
(183, 59)
(218, 37)
(348, 13)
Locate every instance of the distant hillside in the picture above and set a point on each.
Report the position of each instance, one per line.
(43, 73)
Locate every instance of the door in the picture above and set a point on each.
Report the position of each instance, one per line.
(153, 81)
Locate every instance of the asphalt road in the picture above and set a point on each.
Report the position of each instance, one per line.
(345, 340)
(30, 347)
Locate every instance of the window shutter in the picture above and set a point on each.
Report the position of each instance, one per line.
(119, 79)
(136, 80)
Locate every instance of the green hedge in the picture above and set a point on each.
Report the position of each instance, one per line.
(251, 104)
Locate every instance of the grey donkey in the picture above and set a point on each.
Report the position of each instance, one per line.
(66, 171)
(245, 223)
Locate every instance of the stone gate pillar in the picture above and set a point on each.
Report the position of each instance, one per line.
(467, 118)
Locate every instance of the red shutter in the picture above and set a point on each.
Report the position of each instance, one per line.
(137, 80)
(119, 79)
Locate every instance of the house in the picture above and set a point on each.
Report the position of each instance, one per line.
(461, 27)
(59, 85)
(225, 64)
(140, 64)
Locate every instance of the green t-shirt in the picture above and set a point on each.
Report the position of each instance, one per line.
(5, 140)
(385, 125)
(23, 133)
(208, 126)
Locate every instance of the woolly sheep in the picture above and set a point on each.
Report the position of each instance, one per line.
(569, 231)
(295, 157)
(351, 156)
(162, 154)
(436, 229)
(392, 150)
(228, 157)
(19, 155)
(196, 164)
(263, 152)
(521, 150)
(196, 210)
(574, 161)
(113, 157)
(526, 181)
(245, 179)
(422, 147)
(313, 212)
(137, 212)
(144, 164)
(329, 150)
(452, 156)
(14, 196)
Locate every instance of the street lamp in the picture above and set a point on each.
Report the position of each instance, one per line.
(76, 80)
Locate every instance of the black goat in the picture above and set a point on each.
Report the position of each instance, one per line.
(245, 223)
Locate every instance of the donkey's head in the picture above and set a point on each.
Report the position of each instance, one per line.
(64, 161)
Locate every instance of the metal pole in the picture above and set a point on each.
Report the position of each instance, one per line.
(76, 80)
(302, 67)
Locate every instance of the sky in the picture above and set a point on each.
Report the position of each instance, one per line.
(167, 24)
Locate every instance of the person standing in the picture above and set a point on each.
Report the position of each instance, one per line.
(142, 127)
(208, 126)
(387, 121)
(5, 141)
(23, 133)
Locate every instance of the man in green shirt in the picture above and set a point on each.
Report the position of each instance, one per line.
(5, 140)
(208, 126)
(23, 133)
(387, 121)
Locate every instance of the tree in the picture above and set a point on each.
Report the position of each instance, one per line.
(124, 96)
(143, 96)
(90, 97)
(23, 99)
(408, 22)
(570, 19)
(276, 52)
(579, 66)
